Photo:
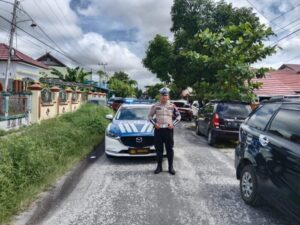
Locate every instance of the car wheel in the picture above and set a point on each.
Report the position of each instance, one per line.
(249, 186)
(210, 139)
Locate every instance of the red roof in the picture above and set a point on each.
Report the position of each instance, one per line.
(19, 56)
(279, 82)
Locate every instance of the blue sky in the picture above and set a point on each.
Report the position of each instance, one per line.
(117, 32)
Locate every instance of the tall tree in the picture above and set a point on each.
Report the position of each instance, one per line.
(122, 85)
(202, 29)
(160, 58)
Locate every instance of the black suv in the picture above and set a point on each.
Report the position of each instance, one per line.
(267, 158)
(221, 120)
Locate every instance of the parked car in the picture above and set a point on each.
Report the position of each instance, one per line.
(110, 101)
(221, 120)
(267, 158)
(184, 108)
(97, 101)
(117, 102)
(130, 134)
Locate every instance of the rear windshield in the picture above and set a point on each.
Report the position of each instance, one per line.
(232, 110)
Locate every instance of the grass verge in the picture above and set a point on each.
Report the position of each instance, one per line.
(30, 161)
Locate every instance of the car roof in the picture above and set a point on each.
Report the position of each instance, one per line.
(133, 105)
(286, 103)
(232, 102)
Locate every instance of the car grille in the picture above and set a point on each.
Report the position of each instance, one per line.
(134, 141)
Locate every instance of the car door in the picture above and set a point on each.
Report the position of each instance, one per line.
(251, 137)
(282, 156)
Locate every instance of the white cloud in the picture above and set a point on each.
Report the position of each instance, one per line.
(148, 17)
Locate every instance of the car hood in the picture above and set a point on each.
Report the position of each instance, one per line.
(131, 127)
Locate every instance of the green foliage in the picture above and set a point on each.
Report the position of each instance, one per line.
(122, 85)
(213, 49)
(153, 91)
(32, 159)
(159, 58)
(73, 74)
(222, 61)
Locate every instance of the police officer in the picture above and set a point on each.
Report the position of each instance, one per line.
(161, 116)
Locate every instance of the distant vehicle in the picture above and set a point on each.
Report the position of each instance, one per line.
(97, 101)
(221, 120)
(184, 108)
(130, 134)
(117, 102)
(110, 101)
(267, 158)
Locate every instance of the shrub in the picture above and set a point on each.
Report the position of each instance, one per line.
(30, 160)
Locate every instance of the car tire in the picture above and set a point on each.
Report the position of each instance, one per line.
(210, 139)
(249, 186)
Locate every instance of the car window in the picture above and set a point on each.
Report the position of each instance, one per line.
(138, 113)
(261, 117)
(232, 110)
(286, 124)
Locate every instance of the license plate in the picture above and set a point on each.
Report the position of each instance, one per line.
(138, 151)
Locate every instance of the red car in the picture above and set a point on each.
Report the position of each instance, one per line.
(184, 108)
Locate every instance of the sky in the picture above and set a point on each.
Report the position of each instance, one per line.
(117, 32)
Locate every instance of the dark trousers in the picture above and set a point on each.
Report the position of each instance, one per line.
(164, 136)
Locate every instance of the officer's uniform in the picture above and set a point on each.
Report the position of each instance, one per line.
(163, 115)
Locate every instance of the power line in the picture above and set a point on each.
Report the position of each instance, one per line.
(42, 42)
(293, 8)
(290, 34)
(78, 51)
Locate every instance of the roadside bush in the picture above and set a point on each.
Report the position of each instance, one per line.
(34, 158)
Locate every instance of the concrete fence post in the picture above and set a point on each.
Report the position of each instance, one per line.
(55, 91)
(35, 102)
(69, 99)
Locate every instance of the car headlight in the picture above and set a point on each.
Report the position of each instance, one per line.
(111, 134)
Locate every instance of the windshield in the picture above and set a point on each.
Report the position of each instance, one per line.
(232, 110)
(131, 113)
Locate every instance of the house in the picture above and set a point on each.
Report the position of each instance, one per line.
(53, 63)
(282, 82)
(23, 70)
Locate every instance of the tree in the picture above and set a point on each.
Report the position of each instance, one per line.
(122, 85)
(213, 43)
(153, 90)
(102, 75)
(159, 58)
(224, 58)
(73, 74)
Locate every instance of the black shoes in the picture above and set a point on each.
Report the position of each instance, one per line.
(171, 170)
(158, 169)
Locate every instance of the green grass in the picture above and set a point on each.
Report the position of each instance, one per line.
(32, 160)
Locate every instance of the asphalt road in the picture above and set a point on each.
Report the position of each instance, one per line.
(125, 191)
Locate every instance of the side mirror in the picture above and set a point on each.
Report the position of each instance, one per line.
(109, 117)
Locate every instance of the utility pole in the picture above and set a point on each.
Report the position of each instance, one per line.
(11, 39)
